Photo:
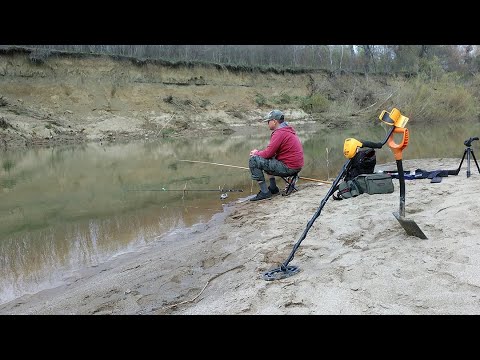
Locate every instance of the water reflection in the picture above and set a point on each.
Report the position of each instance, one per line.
(66, 208)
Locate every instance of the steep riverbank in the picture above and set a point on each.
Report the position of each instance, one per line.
(57, 98)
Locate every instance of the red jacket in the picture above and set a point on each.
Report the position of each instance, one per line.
(285, 146)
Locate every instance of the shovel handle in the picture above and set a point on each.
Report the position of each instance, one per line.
(398, 148)
(401, 179)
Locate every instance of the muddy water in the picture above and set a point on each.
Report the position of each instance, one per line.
(64, 209)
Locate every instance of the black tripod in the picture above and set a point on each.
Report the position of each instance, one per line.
(469, 152)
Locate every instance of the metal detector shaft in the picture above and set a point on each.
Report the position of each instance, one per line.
(378, 145)
(317, 213)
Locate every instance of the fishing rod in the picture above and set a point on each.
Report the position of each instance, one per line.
(186, 190)
(246, 168)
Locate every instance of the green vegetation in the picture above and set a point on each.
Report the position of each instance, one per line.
(279, 59)
(8, 165)
(283, 99)
(316, 103)
(260, 100)
(437, 100)
(433, 96)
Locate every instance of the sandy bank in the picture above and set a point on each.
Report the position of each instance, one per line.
(356, 259)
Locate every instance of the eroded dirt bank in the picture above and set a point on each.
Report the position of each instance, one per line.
(63, 98)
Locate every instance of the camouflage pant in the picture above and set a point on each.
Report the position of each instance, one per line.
(272, 166)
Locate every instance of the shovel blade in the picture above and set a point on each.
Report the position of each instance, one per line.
(410, 226)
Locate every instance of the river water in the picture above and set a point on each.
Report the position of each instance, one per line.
(67, 208)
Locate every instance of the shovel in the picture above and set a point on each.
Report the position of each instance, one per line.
(409, 225)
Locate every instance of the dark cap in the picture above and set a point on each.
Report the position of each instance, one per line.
(274, 115)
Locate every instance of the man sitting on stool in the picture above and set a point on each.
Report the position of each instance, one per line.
(283, 155)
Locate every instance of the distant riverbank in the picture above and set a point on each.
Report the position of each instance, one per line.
(75, 99)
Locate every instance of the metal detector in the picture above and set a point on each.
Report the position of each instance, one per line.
(350, 148)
